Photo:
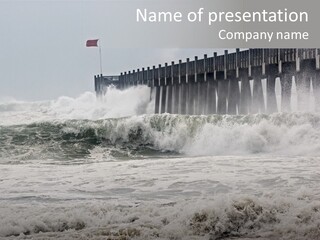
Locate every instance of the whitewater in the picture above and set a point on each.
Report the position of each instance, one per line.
(108, 168)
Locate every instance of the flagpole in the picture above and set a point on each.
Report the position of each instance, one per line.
(100, 58)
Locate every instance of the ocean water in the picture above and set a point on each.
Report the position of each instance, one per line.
(87, 168)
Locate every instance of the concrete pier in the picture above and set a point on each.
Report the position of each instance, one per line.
(240, 82)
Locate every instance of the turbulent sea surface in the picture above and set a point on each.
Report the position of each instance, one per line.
(85, 168)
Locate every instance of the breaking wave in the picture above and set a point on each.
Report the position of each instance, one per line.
(120, 125)
(282, 133)
(115, 104)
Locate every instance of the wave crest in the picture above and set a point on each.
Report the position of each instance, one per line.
(189, 135)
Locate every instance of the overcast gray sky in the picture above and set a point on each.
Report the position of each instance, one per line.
(43, 53)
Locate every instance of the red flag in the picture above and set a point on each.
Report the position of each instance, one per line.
(92, 43)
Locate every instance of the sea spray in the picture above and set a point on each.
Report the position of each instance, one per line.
(115, 104)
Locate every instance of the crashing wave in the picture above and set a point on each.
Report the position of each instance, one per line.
(283, 133)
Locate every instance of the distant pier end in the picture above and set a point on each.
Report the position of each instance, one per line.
(241, 82)
(102, 82)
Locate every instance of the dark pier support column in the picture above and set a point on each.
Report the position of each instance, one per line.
(203, 97)
(212, 101)
(155, 79)
(190, 81)
(128, 79)
(183, 99)
(303, 85)
(223, 86)
(257, 96)
(163, 98)
(197, 109)
(201, 94)
(271, 89)
(222, 94)
(151, 92)
(163, 90)
(149, 81)
(287, 70)
(205, 85)
(173, 90)
(182, 90)
(168, 83)
(316, 80)
(197, 87)
(225, 82)
(245, 95)
(191, 95)
(170, 92)
(195, 96)
(121, 82)
(316, 90)
(234, 95)
(286, 85)
(222, 83)
(157, 100)
(101, 86)
(189, 98)
(125, 80)
(138, 77)
(197, 92)
(175, 72)
(98, 86)
(134, 78)
(176, 98)
(234, 91)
